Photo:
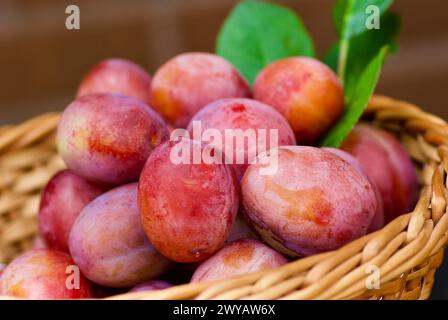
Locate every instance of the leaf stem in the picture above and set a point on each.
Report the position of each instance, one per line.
(342, 60)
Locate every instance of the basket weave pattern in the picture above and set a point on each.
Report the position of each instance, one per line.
(406, 252)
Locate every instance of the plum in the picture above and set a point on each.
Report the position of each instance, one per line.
(62, 200)
(44, 274)
(109, 245)
(305, 91)
(388, 165)
(151, 285)
(238, 258)
(189, 81)
(378, 219)
(106, 138)
(244, 117)
(117, 76)
(314, 202)
(187, 208)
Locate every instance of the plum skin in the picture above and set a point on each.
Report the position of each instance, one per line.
(119, 76)
(388, 165)
(305, 91)
(187, 209)
(243, 113)
(314, 202)
(109, 245)
(378, 218)
(189, 81)
(63, 198)
(237, 258)
(42, 274)
(151, 285)
(106, 138)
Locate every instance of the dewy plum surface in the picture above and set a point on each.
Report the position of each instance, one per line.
(106, 138)
(189, 81)
(41, 275)
(378, 219)
(305, 91)
(314, 202)
(388, 165)
(187, 209)
(237, 258)
(109, 245)
(117, 76)
(63, 198)
(251, 122)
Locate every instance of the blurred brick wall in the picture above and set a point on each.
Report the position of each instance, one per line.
(41, 62)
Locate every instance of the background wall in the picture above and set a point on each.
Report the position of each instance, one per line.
(41, 62)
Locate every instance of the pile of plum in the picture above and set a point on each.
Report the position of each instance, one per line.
(123, 215)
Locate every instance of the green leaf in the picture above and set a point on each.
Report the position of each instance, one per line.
(365, 46)
(349, 16)
(358, 58)
(356, 103)
(258, 33)
(331, 57)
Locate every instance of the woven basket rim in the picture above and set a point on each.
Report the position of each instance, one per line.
(407, 249)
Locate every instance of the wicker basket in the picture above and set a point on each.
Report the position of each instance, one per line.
(407, 251)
